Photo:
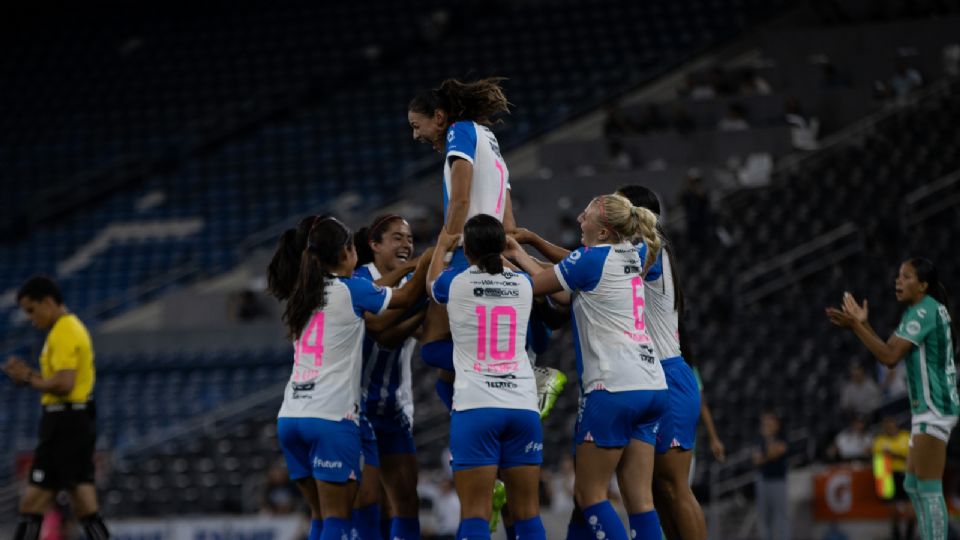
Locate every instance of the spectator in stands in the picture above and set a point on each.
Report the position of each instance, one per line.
(853, 443)
(616, 127)
(803, 129)
(770, 457)
(652, 120)
(279, 493)
(860, 395)
(904, 81)
(735, 119)
(753, 84)
(696, 88)
(893, 381)
(695, 200)
(246, 307)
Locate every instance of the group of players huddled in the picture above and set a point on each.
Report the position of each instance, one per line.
(482, 308)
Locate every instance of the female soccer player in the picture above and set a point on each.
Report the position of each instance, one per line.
(623, 387)
(925, 338)
(455, 120)
(496, 421)
(325, 317)
(387, 401)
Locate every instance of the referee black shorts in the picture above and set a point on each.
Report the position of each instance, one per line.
(64, 455)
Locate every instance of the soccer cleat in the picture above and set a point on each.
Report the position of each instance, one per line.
(550, 383)
(499, 500)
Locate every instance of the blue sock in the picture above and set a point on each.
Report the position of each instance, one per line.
(474, 529)
(645, 525)
(438, 354)
(316, 529)
(405, 528)
(579, 531)
(445, 391)
(511, 531)
(529, 529)
(366, 521)
(602, 518)
(336, 529)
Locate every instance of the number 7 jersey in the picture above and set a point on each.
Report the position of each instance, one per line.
(488, 319)
(328, 355)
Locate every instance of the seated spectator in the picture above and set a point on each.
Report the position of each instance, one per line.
(853, 443)
(752, 84)
(860, 396)
(893, 381)
(735, 119)
(803, 129)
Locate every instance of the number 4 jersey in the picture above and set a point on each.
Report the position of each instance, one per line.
(325, 382)
(614, 349)
(488, 320)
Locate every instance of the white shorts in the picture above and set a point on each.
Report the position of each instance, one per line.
(931, 423)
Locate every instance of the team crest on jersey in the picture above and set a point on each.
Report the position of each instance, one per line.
(575, 256)
(451, 135)
(913, 328)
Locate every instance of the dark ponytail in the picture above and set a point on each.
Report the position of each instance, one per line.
(927, 273)
(326, 240)
(645, 197)
(479, 100)
(285, 264)
(484, 242)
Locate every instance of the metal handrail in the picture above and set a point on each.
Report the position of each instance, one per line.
(944, 201)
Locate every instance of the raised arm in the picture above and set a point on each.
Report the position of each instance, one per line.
(445, 243)
(461, 177)
(854, 317)
(552, 252)
(544, 279)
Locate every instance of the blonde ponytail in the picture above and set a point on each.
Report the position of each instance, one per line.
(646, 222)
(619, 215)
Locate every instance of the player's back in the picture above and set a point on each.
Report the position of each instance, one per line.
(488, 189)
(663, 322)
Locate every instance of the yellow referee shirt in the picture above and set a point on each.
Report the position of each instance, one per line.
(898, 445)
(68, 346)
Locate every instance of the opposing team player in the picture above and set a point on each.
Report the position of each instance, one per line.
(496, 421)
(623, 387)
(925, 338)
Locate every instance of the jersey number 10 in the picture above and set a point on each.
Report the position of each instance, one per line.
(482, 325)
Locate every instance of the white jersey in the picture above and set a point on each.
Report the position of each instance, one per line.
(614, 348)
(663, 321)
(488, 320)
(325, 382)
(491, 179)
(387, 382)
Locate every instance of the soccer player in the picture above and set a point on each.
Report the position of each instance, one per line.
(496, 421)
(387, 401)
(623, 387)
(455, 120)
(925, 338)
(63, 458)
(318, 423)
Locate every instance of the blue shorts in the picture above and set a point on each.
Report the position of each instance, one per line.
(489, 436)
(394, 435)
(612, 419)
(678, 427)
(368, 443)
(322, 449)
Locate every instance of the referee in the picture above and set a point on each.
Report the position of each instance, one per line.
(63, 459)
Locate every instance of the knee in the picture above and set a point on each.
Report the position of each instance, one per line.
(586, 495)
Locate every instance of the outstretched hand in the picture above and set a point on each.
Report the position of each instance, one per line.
(850, 307)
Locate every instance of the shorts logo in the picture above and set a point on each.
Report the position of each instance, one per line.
(38, 475)
(588, 437)
(533, 447)
(913, 328)
(327, 464)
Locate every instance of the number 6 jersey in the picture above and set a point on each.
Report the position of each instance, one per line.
(488, 320)
(327, 357)
(614, 348)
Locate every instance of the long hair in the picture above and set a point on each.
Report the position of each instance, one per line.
(479, 100)
(927, 273)
(372, 233)
(285, 264)
(644, 197)
(629, 221)
(484, 242)
(326, 241)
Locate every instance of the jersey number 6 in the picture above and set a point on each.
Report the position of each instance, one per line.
(638, 304)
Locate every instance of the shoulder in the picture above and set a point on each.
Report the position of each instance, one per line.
(363, 272)
(462, 129)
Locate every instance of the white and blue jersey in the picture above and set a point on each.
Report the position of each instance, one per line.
(614, 349)
(325, 382)
(488, 319)
(386, 382)
(488, 189)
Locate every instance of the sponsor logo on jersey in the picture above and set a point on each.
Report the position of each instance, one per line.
(913, 328)
(631, 269)
(533, 446)
(922, 313)
(301, 391)
(495, 292)
(501, 385)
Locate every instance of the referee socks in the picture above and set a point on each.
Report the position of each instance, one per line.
(28, 527)
(94, 526)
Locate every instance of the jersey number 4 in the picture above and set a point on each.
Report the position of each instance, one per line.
(313, 346)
